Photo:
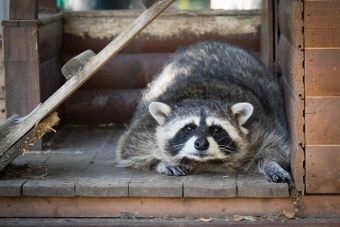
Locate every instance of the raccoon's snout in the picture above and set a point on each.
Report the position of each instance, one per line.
(201, 144)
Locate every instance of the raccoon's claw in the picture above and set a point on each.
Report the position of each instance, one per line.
(171, 170)
(274, 173)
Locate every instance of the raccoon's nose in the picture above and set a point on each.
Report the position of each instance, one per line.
(201, 144)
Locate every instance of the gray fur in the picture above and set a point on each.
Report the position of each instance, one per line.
(212, 77)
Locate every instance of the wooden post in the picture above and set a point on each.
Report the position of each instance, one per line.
(23, 10)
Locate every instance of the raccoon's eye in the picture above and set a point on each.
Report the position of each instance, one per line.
(214, 130)
(189, 128)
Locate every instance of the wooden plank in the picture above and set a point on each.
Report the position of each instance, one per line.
(210, 185)
(8, 126)
(267, 33)
(291, 21)
(23, 9)
(39, 207)
(323, 167)
(291, 63)
(102, 106)
(108, 152)
(322, 120)
(249, 185)
(103, 179)
(322, 72)
(152, 184)
(77, 80)
(126, 71)
(68, 164)
(322, 24)
(173, 29)
(2, 108)
(48, 3)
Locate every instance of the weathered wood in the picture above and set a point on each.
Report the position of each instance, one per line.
(322, 72)
(322, 120)
(173, 29)
(210, 185)
(23, 9)
(2, 73)
(76, 81)
(126, 71)
(102, 106)
(322, 24)
(77, 63)
(267, 20)
(3, 109)
(152, 184)
(48, 3)
(291, 63)
(103, 179)
(314, 207)
(28, 140)
(8, 126)
(322, 169)
(67, 164)
(291, 21)
(257, 186)
(108, 152)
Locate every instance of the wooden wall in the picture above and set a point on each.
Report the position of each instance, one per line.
(2, 86)
(322, 84)
(291, 61)
(112, 94)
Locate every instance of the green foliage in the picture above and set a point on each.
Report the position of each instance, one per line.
(193, 4)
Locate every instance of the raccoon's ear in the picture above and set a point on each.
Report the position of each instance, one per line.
(242, 111)
(160, 111)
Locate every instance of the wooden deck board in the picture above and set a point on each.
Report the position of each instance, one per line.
(81, 162)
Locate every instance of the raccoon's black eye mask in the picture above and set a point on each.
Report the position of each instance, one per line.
(190, 127)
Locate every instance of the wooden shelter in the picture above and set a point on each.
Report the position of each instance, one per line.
(74, 174)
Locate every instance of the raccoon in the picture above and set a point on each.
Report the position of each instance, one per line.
(214, 107)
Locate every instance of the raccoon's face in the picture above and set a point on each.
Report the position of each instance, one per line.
(200, 134)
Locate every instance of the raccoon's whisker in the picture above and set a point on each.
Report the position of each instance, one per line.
(222, 139)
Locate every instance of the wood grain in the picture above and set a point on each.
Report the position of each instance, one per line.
(108, 152)
(76, 81)
(91, 107)
(23, 9)
(323, 169)
(322, 72)
(291, 21)
(322, 120)
(208, 185)
(152, 184)
(68, 164)
(249, 185)
(267, 34)
(103, 179)
(126, 71)
(322, 24)
(173, 29)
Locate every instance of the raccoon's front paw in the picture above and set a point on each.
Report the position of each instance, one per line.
(273, 172)
(171, 170)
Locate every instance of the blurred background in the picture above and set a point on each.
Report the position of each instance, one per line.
(81, 5)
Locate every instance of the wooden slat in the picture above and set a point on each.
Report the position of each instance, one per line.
(102, 106)
(152, 184)
(126, 71)
(258, 186)
(267, 34)
(210, 185)
(173, 29)
(2, 108)
(322, 72)
(48, 3)
(291, 64)
(322, 24)
(103, 179)
(79, 78)
(67, 165)
(291, 21)
(108, 152)
(322, 120)
(23, 10)
(323, 167)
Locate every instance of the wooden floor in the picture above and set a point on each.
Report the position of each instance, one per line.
(80, 161)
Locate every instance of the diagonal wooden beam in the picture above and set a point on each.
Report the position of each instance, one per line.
(85, 73)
